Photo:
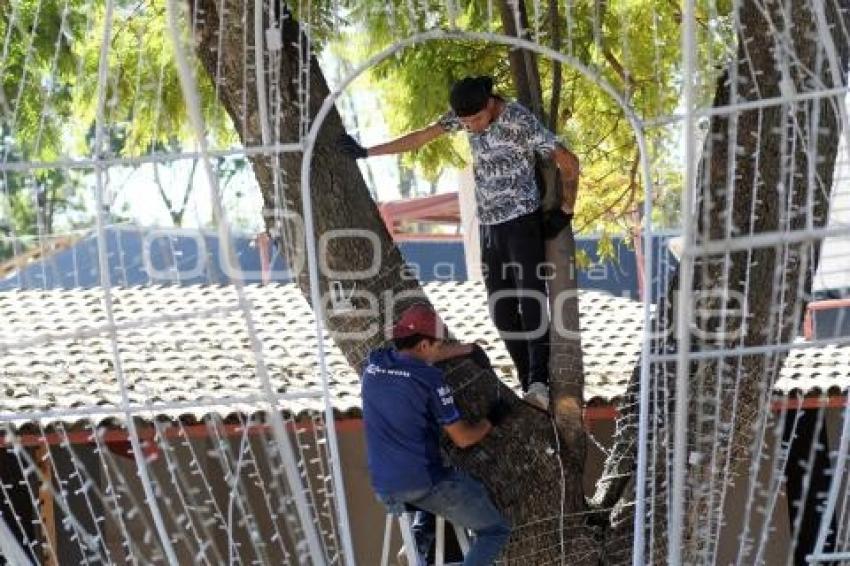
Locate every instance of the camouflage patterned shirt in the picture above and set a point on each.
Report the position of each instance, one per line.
(503, 162)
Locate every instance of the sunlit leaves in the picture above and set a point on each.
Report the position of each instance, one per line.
(50, 79)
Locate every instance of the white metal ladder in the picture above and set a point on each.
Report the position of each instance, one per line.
(406, 528)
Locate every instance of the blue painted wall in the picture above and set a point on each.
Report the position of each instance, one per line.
(438, 261)
(435, 261)
(149, 256)
(143, 256)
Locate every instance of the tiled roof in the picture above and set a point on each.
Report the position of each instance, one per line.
(610, 326)
(57, 362)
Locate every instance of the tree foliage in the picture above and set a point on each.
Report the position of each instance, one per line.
(49, 100)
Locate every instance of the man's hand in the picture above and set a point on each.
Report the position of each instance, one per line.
(556, 220)
(479, 356)
(498, 411)
(465, 434)
(449, 350)
(349, 147)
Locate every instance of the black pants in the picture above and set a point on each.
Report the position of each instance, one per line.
(512, 257)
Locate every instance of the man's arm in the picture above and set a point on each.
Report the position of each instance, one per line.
(408, 142)
(464, 434)
(457, 349)
(449, 350)
(567, 162)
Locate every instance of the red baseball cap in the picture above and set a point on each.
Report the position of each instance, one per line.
(419, 319)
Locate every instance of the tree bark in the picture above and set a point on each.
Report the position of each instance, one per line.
(752, 179)
(557, 75)
(532, 474)
(523, 63)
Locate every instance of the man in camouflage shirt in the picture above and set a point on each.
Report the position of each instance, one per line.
(504, 137)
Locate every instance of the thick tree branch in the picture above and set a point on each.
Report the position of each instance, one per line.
(557, 71)
(523, 65)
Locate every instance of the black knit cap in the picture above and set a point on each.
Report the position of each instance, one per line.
(470, 95)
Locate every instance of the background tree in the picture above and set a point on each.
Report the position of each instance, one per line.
(34, 103)
(749, 148)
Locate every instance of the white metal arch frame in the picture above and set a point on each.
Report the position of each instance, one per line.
(190, 94)
(637, 126)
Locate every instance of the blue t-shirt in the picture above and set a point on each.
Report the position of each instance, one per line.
(405, 403)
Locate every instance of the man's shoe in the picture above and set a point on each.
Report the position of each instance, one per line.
(538, 395)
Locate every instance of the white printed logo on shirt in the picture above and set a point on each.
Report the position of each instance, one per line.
(445, 393)
(374, 369)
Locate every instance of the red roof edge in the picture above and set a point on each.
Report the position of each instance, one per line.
(441, 208)
(606, 412)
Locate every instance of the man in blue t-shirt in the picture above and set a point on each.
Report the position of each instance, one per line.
(406, 405)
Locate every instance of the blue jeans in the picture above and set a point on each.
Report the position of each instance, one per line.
(464, 502)
(424, 529)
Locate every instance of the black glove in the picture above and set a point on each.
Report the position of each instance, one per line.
(348, 146)
(479, 356)
(554, 221)
(498, 411)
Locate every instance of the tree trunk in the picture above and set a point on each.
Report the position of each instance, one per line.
(523, 63)
(340, 198)
(534, 476)
(557, 75)
(530, 473)
(768, 152)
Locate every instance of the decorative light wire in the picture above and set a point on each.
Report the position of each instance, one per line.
(29, 467)
(190, 94)
(150, 497)
(55, 479)
(195, 463)
(683, 318)
(720, 441)
(639, 543)
(185, 496)
(153, 157)
(237, 494)
(112, 493)
(267, 495)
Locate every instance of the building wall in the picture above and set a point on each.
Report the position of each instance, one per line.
(776, 533)
(764, 521)
(368, 536)
(219, 457)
